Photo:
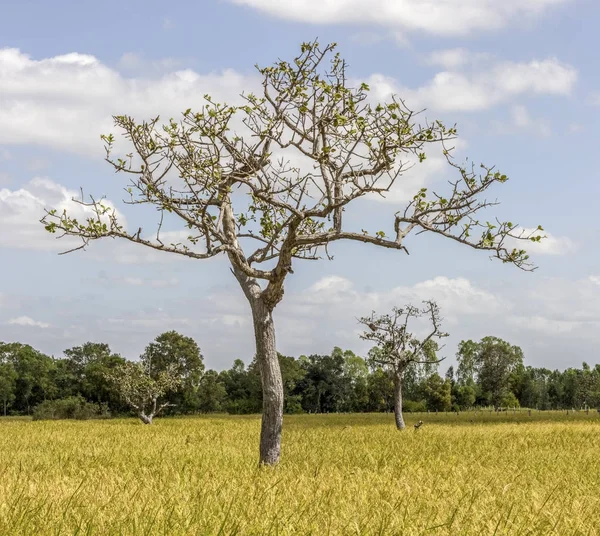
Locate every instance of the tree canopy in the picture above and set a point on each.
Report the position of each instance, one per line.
(267, 181)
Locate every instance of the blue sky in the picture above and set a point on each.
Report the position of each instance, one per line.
(520, 79)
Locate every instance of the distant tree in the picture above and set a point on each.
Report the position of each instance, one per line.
(398, 348)
(323, 386)
(181, 354)
(450, 374)
(198, 168)
(243, 388)
(465, 395)
(212, 393)
(438, 393)
(492, 362)
(291, 374)
(88, 367)
(142, 390)
(380, 386)
(8, 383)
(34, 374)
(356, 374)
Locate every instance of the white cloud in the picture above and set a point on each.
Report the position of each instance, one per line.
(28, 322)
(146, 282)
(326, 312)
(481, 89)
(551, 245)
(67, 101)
(455, 296)
(439, 17)
(545, 325)
(455, 58)
(21, 210)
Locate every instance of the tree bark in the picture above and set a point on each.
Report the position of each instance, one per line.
(146, 419)
(398, 402)
(272, 383)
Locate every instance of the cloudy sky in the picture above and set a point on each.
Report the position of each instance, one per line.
(519, 77)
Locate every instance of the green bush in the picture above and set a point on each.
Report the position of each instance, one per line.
(73, 407)
(509, 400)
(412, 406)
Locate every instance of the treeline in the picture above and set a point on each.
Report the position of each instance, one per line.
(489, 373)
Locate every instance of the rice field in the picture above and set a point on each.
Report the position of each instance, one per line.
(471, 474)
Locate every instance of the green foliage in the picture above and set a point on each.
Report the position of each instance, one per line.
(181, 355)
(85, 371)
(412, 406)
(338, 382)
(33, 382)
(211, 394)
(74, 407)
(8, 383)
(492, 362)
(438, 393)
(141, 388)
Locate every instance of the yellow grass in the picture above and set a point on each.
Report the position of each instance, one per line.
(340, 474)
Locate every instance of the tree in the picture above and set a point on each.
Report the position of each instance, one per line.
(381, 390)
(242, 387)
(182, 355)
(212, 393)
(438, 393)
(141, 390)
(8, 382)
(492, 361)
(399, 348)
(89, 366)
(224, 173)
(33, 383)
(356, 373)
(323, 385)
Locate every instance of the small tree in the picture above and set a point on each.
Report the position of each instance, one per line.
(182, 354)
(398, 349)
(142, 391)
(224, 172)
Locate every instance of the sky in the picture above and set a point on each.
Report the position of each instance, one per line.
(518, 77)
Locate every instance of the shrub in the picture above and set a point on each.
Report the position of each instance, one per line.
(509, 400)
(412, 406)
(73, 407)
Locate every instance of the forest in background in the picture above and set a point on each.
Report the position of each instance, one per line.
(489, 373)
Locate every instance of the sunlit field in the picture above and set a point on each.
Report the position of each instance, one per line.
(480, 474)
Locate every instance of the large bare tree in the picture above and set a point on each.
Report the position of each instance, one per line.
(397, 348)
(224, 171)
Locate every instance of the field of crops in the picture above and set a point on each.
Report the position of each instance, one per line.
(477, 474)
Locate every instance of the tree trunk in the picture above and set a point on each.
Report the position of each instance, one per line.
(146, 419)
(5, 408)
(398, 401)
(272, 383)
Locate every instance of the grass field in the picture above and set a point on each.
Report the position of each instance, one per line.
(340, 474)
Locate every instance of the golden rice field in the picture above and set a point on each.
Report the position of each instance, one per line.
(340, 474)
